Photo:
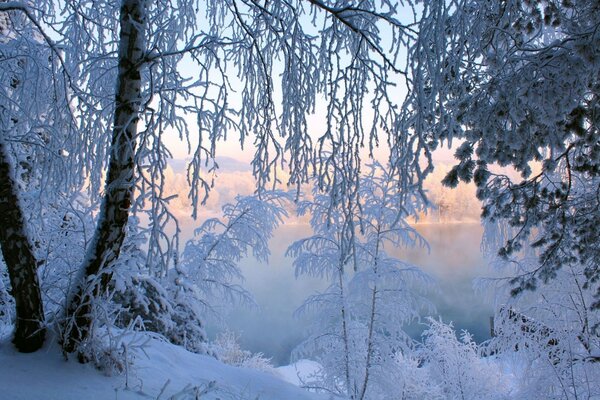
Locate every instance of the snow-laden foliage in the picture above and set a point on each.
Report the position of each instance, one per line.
(517, 84)
(371, 295)
(227, 349)
(210, 260)
(212, 69)
(456, 366)
(551, 359)
(177, 303)
(150, 302)
(36, 136)
(61, 233)
(550, 333)
(408, 378)
(35, 117)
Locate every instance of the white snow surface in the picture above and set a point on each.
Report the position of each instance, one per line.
(299, 372)
(45, 375)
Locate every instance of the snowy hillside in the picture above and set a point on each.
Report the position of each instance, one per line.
(158, 370)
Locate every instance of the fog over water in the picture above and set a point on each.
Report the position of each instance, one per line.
(454, 261)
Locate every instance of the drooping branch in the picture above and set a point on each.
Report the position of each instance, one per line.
(18, 6)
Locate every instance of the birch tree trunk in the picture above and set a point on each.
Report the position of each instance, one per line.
(21, 263)
(114, 210)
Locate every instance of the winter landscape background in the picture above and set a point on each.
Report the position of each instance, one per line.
(304, 199)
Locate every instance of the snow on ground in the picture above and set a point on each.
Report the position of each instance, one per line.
(300, 371)
(159, 370)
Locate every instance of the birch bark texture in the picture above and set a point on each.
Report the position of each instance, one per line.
(114, 211)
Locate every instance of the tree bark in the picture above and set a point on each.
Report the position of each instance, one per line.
(20, 260)
(114, 210)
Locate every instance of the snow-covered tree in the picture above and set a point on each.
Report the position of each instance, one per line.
(228, 350)
(35, 129)
(177, 303)
(517, 84)
(125, 88)
(455, 365)
(118, 65)
(211, 258)
(359, 333)
(551, 332)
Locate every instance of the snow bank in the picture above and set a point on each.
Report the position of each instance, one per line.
(158, 370)
(299, 372)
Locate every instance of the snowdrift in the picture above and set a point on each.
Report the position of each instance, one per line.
(157, 370)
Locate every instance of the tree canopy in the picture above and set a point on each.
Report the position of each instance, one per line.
(516, 84)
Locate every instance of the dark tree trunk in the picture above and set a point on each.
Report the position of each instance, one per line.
(114, 210)
(21, 263)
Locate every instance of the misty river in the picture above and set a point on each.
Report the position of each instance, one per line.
(454, 261)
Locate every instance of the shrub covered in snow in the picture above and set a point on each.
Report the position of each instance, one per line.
(456, 366)
(228, 350)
